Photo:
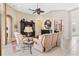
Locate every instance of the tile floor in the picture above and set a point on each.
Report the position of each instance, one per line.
(68, 48)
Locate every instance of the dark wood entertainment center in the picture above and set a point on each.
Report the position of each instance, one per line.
(23, 24)
(44, 31)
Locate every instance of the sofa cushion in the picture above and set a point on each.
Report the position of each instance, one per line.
(48, 42)
(59, 38)
(54, 39)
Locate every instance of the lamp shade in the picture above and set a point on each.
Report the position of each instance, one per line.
(28, 29)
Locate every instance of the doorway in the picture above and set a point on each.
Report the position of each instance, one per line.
(75, 27)
(8, 29)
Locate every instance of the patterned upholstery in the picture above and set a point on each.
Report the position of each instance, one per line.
(45, 42)
(48, 42)
(59, 38)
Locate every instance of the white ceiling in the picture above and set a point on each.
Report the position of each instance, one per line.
(47, 7)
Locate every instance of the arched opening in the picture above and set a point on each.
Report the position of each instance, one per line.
(8, 29)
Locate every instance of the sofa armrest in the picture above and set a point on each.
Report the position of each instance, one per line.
(59, 38)
(35, 40)
(38, 45)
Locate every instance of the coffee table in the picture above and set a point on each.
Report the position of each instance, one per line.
(28, 44)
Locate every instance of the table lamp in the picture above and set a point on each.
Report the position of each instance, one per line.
(28, 29)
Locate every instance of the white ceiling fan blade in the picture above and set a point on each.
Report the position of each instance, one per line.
(31, 9)
(34, 12)
(42, 11)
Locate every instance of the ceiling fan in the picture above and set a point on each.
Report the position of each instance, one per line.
(38, 10)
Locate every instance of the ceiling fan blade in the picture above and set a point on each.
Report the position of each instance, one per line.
(34, 12)
(42, 11)
(31, 9)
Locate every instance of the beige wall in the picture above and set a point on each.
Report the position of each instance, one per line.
(59, 14)
(0, 31)
(17, 16)
(2, 24)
